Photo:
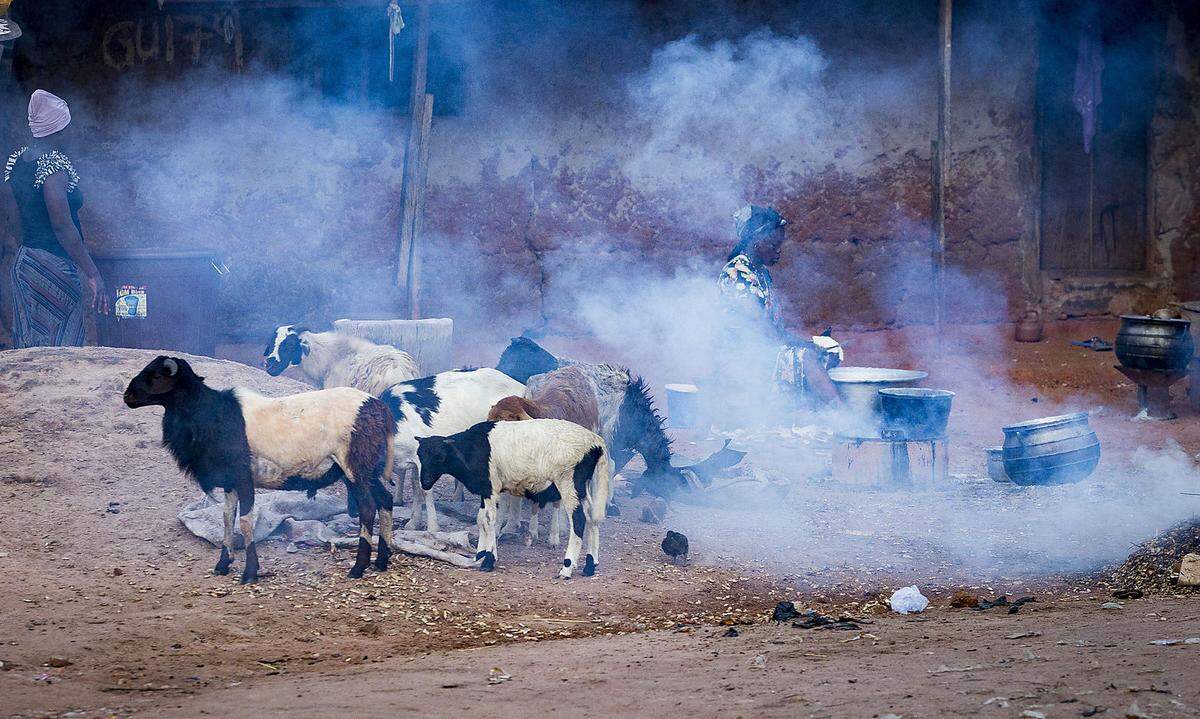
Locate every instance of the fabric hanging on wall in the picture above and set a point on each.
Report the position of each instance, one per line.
(395, 25)
(1089, 69)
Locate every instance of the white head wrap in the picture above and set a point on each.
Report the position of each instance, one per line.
(48, 113)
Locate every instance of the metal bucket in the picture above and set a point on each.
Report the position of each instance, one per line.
(1053, 450)
(858, 387)
(1154, 344)
(683, 405)
(914, 412)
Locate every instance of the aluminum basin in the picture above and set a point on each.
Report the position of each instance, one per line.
(858, 387)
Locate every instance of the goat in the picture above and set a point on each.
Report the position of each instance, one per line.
(543, 460)
(332, 359)
(237, 440)
(567, 393)
(443, 404)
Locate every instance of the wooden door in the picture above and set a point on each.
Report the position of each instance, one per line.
(1094, 217)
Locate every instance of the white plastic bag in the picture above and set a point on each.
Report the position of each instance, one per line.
(908, 599)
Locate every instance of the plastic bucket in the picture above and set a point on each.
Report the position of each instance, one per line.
(683, 405)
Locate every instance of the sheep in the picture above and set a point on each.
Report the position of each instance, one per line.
(332, 359)
(566, 393)
(237, 440)
(629, 422)
(543, 460)
(443, 404)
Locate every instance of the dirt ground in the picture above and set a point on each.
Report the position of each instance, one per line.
(110, 609)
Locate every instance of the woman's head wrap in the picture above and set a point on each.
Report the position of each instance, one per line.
(48, 113)
(752, 221)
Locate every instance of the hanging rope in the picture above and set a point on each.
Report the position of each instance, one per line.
(395, 25)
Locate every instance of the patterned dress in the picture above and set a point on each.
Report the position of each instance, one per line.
(47, 295)
(746, 289)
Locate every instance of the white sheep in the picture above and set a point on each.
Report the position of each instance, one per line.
(542, 460)
(332, 359)
(237, 440)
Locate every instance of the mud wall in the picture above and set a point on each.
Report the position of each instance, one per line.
(576, 160)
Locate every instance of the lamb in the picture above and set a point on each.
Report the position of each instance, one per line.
(629, 422)
(237, 440)
(543, 460)
(332, 359)
(567, 394)
(443, 404)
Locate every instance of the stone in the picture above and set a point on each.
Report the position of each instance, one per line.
(1189, 571)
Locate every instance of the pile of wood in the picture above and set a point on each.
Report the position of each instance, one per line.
(1154, 566)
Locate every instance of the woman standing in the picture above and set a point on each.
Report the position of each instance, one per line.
(745, 285)
(53, 281)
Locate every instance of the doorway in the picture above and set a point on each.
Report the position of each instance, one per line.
(1094, 217)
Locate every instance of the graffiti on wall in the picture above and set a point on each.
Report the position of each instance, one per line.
(168, 39)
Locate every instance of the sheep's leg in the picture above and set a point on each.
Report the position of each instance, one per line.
(486, 522)
(535, 511)
(593, 532)
(555, 533)
(508, 513)
(459, 493)
(414, 516)
(230, 516)
(574, 536)
(366, 524)
(431, 520)
(245, 496)
(384, 550)
(400, 477)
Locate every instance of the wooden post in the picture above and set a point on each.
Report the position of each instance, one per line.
(940, 156)
(414, 256)
(412, 153)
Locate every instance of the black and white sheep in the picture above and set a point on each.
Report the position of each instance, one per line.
(443, 404)
(237, 440)
(543, 460)
(333, 359)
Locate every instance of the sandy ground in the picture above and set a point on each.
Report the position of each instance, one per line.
(122, 596)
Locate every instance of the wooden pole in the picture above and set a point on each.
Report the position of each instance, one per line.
(412, 152)
(940, 156)
(414, 264)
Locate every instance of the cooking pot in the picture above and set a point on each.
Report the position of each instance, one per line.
(858, 387)
(1155, 344)
(915, 412)
(1052, 450)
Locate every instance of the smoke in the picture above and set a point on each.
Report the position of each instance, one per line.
(585, 181)
(295, 194)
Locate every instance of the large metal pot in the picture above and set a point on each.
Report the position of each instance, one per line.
(858, 387)
(1156, 344)
(915, 412)
(1053, 450)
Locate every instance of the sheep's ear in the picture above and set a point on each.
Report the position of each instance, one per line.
(171, 367)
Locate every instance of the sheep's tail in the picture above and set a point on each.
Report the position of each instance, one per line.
(598, 487)
(371, 450)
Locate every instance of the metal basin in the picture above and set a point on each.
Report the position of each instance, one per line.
(915, 412)
(1052, 450)
(858, 387)
(1154, 344)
